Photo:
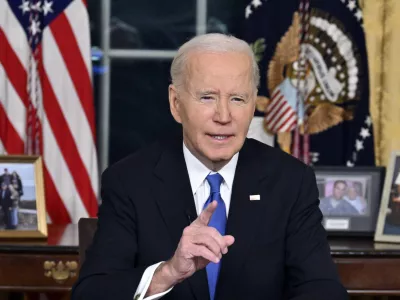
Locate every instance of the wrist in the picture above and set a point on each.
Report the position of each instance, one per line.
(164, 278)
(167, 271)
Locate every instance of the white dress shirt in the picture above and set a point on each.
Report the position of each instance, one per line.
(201, 191)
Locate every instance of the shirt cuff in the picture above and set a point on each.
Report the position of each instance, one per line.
(145, 283)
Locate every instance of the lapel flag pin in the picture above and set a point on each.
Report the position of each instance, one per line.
(254, 197)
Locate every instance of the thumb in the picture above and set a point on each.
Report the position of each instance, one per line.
(229, 240)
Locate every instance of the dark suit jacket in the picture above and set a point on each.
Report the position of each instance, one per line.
(280, 248)
(6, 201)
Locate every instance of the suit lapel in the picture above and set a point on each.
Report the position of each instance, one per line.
(175, 200)
(244, 214)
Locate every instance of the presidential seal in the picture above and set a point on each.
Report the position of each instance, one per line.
(314, 83)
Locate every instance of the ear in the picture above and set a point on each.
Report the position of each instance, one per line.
(174, 103)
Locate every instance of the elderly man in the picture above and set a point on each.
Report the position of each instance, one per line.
(210, 215)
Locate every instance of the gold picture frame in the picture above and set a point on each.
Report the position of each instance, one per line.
(388, 224)
(22, 197)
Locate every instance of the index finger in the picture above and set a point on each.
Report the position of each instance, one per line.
(204, 218)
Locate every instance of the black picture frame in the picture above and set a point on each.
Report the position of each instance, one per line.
(362, 188)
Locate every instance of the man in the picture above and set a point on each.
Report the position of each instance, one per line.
(336, 205)
(5, 177)
(355, 199)
(6, 205)
(211, 215)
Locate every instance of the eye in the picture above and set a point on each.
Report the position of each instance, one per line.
(207, 98)
(238, 100)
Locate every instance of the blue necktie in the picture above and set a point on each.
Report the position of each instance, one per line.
(218, 221)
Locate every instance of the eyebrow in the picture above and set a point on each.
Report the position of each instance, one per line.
(214, 92)
(207, 92)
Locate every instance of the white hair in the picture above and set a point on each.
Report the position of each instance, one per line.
(211, 42)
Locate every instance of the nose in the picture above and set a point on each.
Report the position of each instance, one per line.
(223, 113)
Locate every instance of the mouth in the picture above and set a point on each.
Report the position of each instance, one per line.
(220, 137)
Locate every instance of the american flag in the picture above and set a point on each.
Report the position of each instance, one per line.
(281, 115)
(46, 100)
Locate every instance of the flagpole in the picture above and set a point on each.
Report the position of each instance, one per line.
(104, 95)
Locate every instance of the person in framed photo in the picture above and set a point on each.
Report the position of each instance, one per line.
(354, 197)
(336, 204)
(393, 218)
(17, 183)
(5, 177)
(6, 203)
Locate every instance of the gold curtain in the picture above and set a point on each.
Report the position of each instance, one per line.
(382, 23)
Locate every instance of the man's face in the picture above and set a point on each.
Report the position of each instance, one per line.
(352, 193)
(6, 171)
(3, 186)
(339, 190)
(216, 105)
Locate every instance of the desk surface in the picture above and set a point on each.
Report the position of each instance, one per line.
(64, 240)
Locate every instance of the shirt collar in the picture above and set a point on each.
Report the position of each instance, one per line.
(198, 172)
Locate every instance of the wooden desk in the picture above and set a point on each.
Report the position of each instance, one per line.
(47, 266)
(365, 267)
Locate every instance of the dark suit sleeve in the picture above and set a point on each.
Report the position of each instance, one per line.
(311, 271)
(109, 269)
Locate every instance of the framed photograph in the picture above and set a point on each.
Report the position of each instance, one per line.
(349, 199)
(388, 226)
(22, 203)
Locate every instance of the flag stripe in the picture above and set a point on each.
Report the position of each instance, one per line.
(289, 126)
(55, 207)
(67, 144)
(290, 118)
(2, 149)
(78, 11)
(11, 140)
(59, 171)
(285, 109)
(275, 94)
(67, 44)
(12, 105)
(277, 105)
(14, 34)
(271, 117)
(68, 100)
(285, 113)
(13, 68)
(274, 102)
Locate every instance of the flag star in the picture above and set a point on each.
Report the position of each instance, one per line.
(350, 164)
(365, 133)
(47, 7)
(358, 14)
(25, 7)
(36, 6)
(248, 11)
(256, 3)
(368, 121)
(35, 27)
(359, 145)
(351, 5)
